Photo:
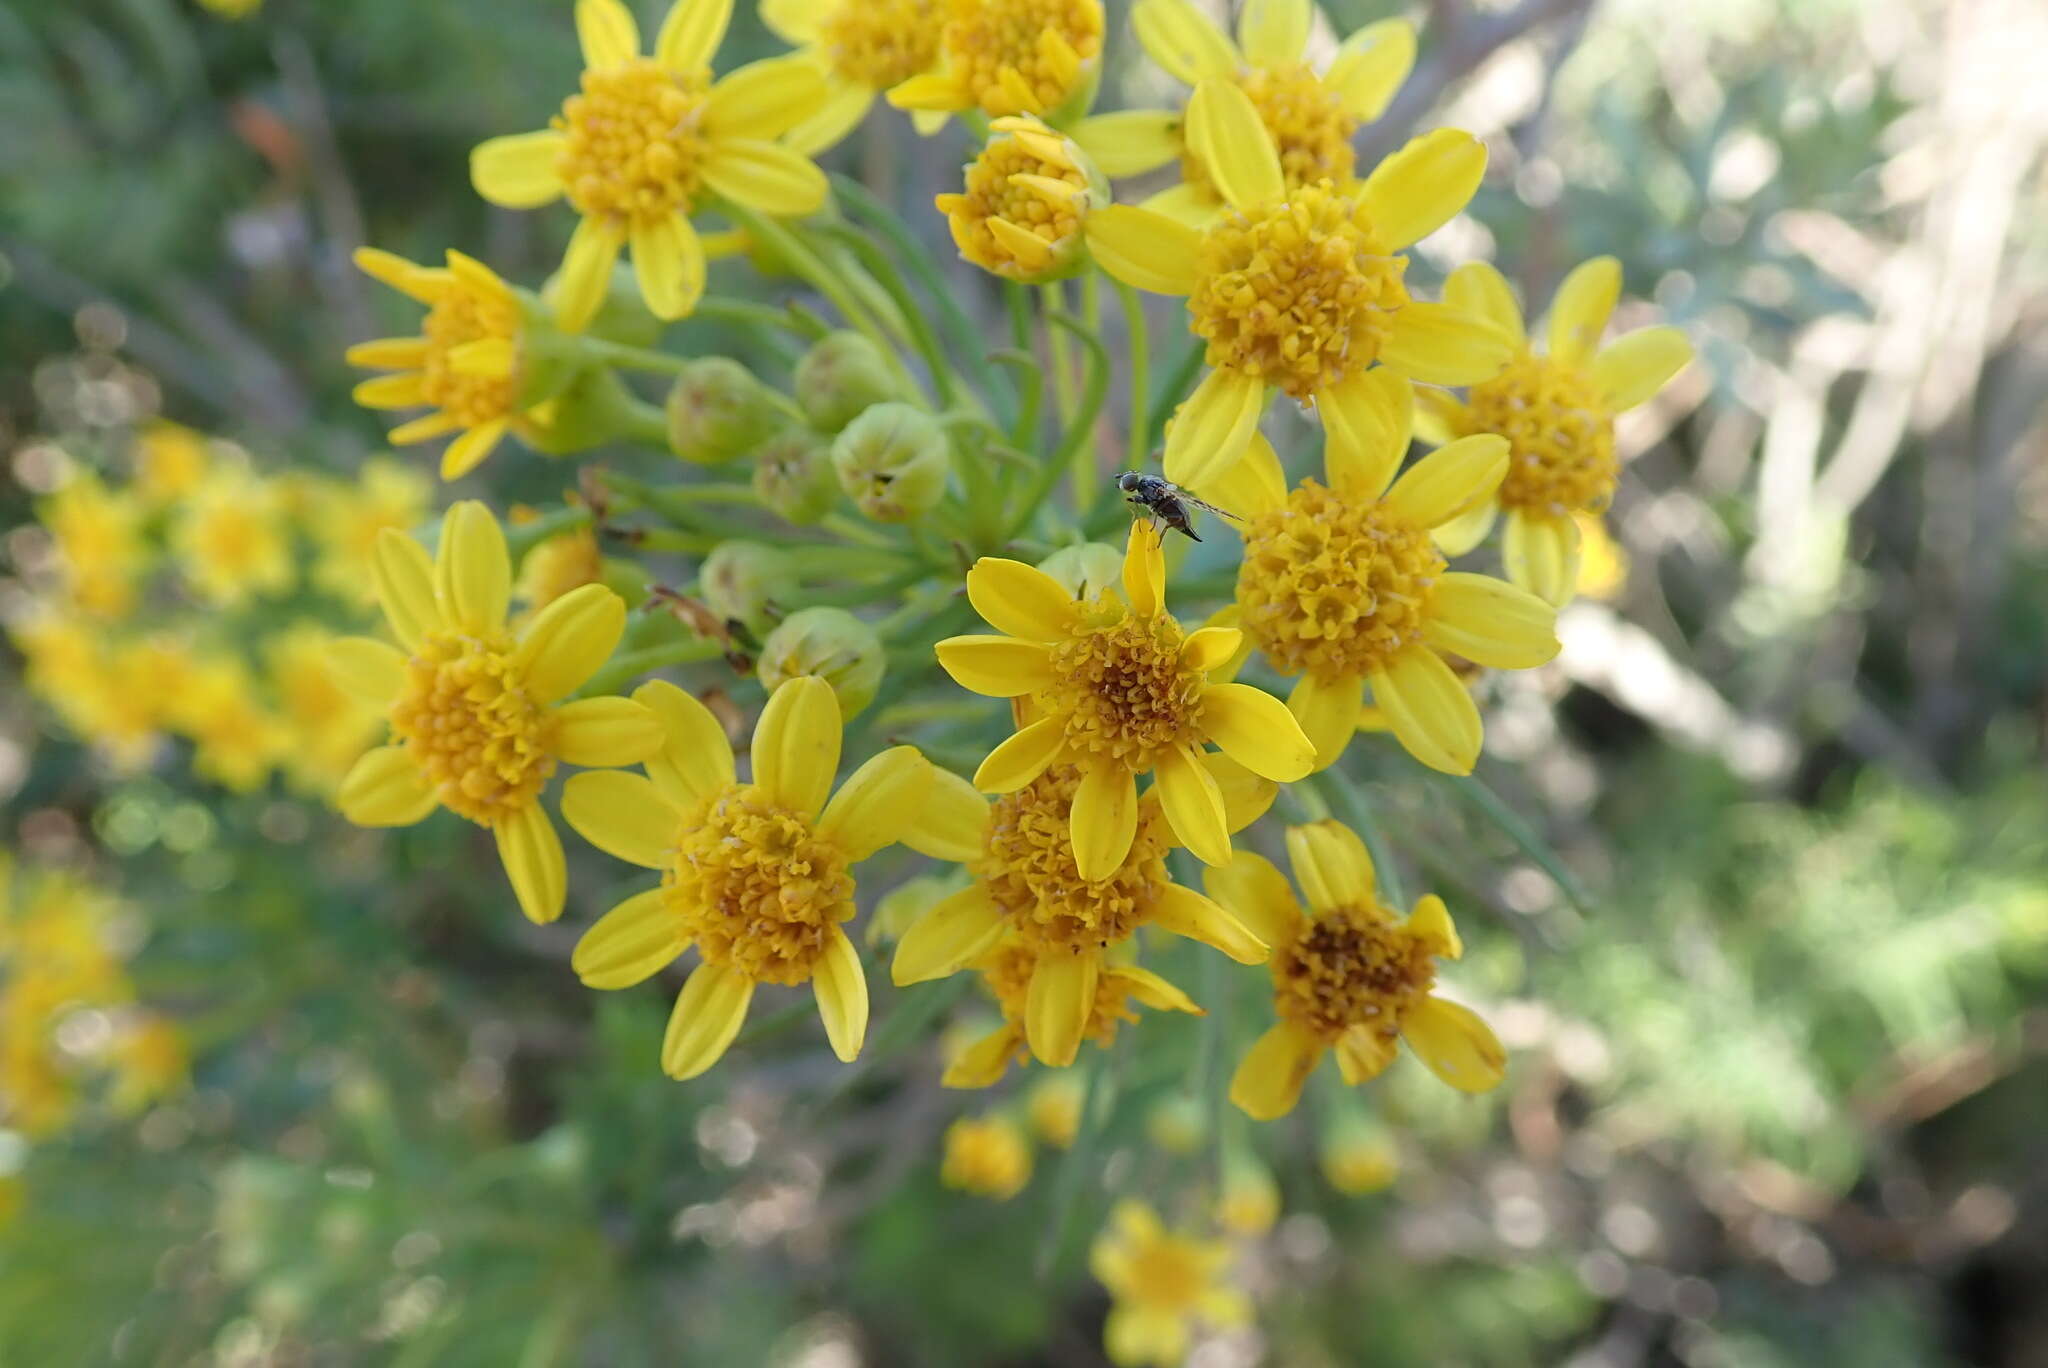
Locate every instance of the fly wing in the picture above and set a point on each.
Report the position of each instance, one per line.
(1188, 498)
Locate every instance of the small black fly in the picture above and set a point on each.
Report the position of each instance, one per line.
(1165, 502)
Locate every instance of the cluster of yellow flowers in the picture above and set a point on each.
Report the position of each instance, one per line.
(1295, 266)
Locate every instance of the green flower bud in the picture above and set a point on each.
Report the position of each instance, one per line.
(1176, 1124)
(1087, 569)
(1357, 1154)
(1250, 1201)
(839, 377)
(892, 462)
(746, 582)
(793, 475)
(622, 318)
(718, 411)
(594, 408)
(832, 644)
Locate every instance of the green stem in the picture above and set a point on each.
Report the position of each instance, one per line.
(633, 664)
(1535, 847)
(820, 275)
(633, 358)
(1017, 301)
(523, 538)
(847, 529)
(1052, 300)
(1139, 344)
(641, 421)
(1078, 431)
(1171, 391)
(891, 280)
(868, 593)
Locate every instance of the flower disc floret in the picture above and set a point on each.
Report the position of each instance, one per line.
(1297, 292)
(1352, 966)
(1007, 973)
(467, 720)
(752, 884)
(1334, 588)
(1031, 876)
(1560, 435)
(880, 43)
(1025, 200)
(1122, 689)
(466, 314)
(1311, 129)
(632, 149)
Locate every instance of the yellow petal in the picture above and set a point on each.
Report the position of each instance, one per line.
(1328, 714)
(1366, 419)
(1145, 250)
(1331, 864)
(423, 429)
(1129, 142)
(1193, 805)
(930, 92)
(606, 731)
(764, 99)
(983, 1064)
(1031, 252)
(846, 104)
(1490, 622)
(1022, 758)
(796, 22)
(952, 934)
(1152, 990)
(1363, 1054)
(1273, 33)
(1444, 346)
(468, 451)
(1269, 1080)
(878, 802)
(1633, 367)
(1224, 130)
(531, 852)
(1541, 553)
(1478, 288)
(764, 176)
(1430, 921)
(708, 1014)
(1058, 1004)
(409, 279)
(951, 823)
(367, 668)
(384, 788)
(1423, 186)
(1194, 205)
(1209, 647)
(580, 287)
(1020, 600)
(1103, 820)
(518, 171)
(1581, 307)
(1256, 730)
(1138, 1333)
(796, 744)
(1451, 480)
(1370, 66)
(623, 815)
(1144, 571)
(1253, 891)
(695, 760)
(842, 989)
(404, 578)
(1459, 1048)
(1183, 40)
(407, 390)
(607, 33)
(1466, 531)
(631, 943)
(996, 666)
(668, 261)
(691, 34)
(1213, 429)
(388, 353)
(1439, 416)
(568, 640)
(1429, 710)
(1246, 796)
(1185, 912)
(1255, 485)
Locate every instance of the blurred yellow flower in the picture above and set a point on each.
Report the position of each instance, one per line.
(476, 713)
(1301, 290)
(1053, 1106)
(54, 959)
(1358, 1157)
(646, 141)
(864, 47)
(1249, 1204)
(1003, 57)
(233, 539)
(100, 550)
(1117, 691)
(1348, 975)
(1162, 1284)
(236, 740)
(754, 875)
(170, 461)
(150, 1061)
(1556, 412)
(347, 517)
(327, 726)
(1026, 196)
(988, 1156)
(558, 564)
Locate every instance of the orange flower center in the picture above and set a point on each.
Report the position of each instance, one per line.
(1334, 588)
(1022, 56)
(1351, 966)
(467, 721)
(1298, 292)
(1028, 867)
(755, 887)
(1123, 693)
(1307, 121)
(1560, 435)
(633, 152)
(454, 384)
(880, 43)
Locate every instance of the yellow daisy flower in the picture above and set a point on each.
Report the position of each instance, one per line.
(754, 875)
(646, 142)
(1311, 115)
(558, 565)
(1118, 690)
(1040, 931)
(1342, 585)
(100, 552)
(469, 363)
(1557, 413)
(1161, 1284)
(329, 726)
(1348, 974)
(1053, 1106)
(1040, 57)
(1300, 290)
(170, 461)
(989, 1156)
(236, 740)
(475, 713)
(1027, 195)
(864, 47)
(347, 519)
(233, 539)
